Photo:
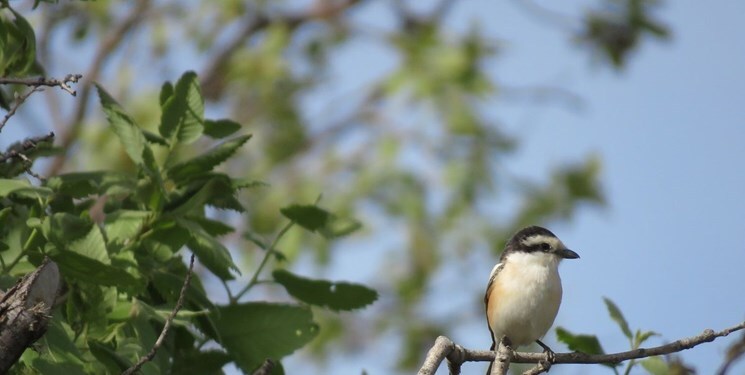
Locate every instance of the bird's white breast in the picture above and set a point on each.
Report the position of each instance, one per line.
(526, 296)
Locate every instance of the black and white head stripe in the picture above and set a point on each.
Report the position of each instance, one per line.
(533, 238)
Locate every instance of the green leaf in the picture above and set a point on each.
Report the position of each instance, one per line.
(333, 295)
(213, 227)
(655, 366)
(124, 225)
(316, 219)
(194, 200)
(19, 48)
(209, 250)
(166, 91)
(165, 239)
(83, 184)
(124, 127)
(22, 188)
(108, 357)
(208, 362)
(154, 138)
(617, 316)
(183, 111)
(640, 337)
(253, 332)
(309, 217)
(92, 245)
(588, 344)
(204, 163)
(169, 283)
(83, 268)
(222, 128)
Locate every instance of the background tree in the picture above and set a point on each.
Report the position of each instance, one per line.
(410, 143)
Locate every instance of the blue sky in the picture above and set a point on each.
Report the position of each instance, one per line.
(670, 131)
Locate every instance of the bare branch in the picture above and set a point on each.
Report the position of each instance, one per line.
(167, 325)
(19, 101)
(25, 146)
(501, 363)
(25, 310)
(265, 369)
(445, 348)
(42, 81)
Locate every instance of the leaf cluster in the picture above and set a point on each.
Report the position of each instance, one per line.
(118, 239)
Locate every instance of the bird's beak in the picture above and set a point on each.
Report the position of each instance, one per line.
(567, 254)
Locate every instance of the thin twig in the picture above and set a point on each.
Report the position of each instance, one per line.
(266, 368)
(43, 81)
(167, 325)
(444, 347)
(269, 252)
(19, 101)
(25, 146)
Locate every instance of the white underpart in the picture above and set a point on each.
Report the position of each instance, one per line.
(529, 299)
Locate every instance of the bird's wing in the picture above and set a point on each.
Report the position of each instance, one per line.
(489, 286)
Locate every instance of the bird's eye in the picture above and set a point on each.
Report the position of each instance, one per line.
(545, 246)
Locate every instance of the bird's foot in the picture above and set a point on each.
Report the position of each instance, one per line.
(550, 356)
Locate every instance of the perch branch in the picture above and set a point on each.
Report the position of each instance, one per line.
(445, 348)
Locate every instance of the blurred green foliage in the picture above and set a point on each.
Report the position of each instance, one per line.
(413, 154)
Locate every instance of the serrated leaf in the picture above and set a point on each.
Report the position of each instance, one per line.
(309, 217)
(640, 337)
(588, 344)
(316, 219)
(165, 239)
(222, 128)
(204, 163)
(114, 362)
(124, 127)
(74, 234)
(166, 91)
(333, 295)
(169, 284)
(83, 268)
(208, 362)
(209, 250)
(617, 316)
(183, 112)
(92, 245)
(253, 332)
(655, 366)
(154, 138)
(83, 184)
(123, 225)
(213, 227)
(22, 188)
(214, 190)
(20, 46)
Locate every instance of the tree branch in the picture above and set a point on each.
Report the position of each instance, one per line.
(25, 310)
(167, 325)
(445, 348)
(42, 81)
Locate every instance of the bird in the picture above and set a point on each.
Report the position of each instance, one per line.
(524, 290)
